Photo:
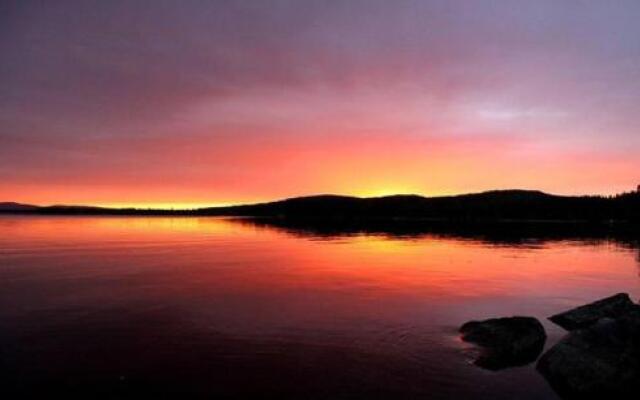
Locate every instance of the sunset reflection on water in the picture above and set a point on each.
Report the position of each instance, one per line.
(208, 281)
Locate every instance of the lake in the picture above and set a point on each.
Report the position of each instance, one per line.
(180, 307)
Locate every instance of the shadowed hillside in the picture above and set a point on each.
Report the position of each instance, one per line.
(11, 206)
(519, 205)
(494, 205)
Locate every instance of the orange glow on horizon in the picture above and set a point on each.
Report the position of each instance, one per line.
(443, 269)
(166, 206)
(382, 166)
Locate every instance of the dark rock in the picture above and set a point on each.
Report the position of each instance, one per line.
(506, 342)
(584, 316)
(601, 360)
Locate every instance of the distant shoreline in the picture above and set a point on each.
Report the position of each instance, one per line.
(505, 206)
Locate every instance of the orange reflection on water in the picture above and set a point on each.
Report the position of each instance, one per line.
(206, 282)
(268, 259)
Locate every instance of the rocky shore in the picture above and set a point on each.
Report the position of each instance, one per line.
(600, 355)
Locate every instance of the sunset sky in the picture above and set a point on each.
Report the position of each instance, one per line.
(189, 103)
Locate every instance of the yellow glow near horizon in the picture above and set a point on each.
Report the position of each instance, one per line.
(392, 191)
(187, 205)
(167, 206)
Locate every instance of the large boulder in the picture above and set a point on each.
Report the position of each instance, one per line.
(505, 342)
(598, 361)
(584, 316)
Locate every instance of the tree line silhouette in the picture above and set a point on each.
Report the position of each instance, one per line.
(487, 206)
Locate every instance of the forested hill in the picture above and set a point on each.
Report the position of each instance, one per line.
(492, 205)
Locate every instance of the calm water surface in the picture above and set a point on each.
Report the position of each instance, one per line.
(120, 308)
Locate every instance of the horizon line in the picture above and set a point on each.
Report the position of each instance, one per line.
(186, 206)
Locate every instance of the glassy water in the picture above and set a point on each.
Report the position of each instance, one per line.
(120, 308)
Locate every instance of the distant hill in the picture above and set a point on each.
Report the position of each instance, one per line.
(11, 206)
(487, 206)
(492, 205)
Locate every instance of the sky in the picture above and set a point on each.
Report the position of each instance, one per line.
(191, 103)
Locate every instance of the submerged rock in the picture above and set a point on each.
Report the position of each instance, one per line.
(584, 316)
(506, 342)
(601, 360)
